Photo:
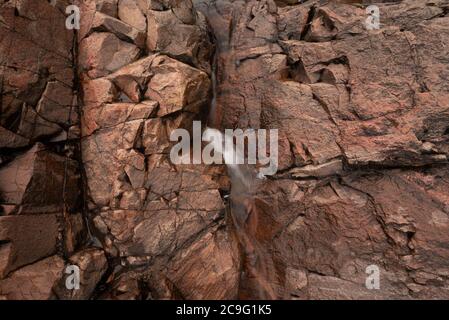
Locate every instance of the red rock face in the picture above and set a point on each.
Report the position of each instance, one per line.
(40, 194)
(362, 119)
(86, 178)
(165, 221)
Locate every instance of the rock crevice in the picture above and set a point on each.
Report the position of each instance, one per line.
(86, 178)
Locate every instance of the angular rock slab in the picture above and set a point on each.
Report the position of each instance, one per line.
(26, 239)
(92, 265)
(33, 282)
(34, 182)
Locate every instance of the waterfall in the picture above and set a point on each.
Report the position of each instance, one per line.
(243, 211)
(258, 266)
(258, 273)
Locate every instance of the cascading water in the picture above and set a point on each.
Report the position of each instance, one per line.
(257, 266)
(257, 273)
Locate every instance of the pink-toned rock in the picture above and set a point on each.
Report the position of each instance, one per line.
(173, 84)
(342, 105)
(176, 86)
(108, 7)
(24, 180)
(124, 31)
(92, 264)
(111, 115)
(9, 139)
(35, 67)
(201, 270)
(56, 104)
(99, 91)
(130, 13)
(117, 54)
(35, 127)
(26, 239)
(180, 33)
(292, 22)
(102, 163)
(362, 117)
(33, 282)
(39, 129)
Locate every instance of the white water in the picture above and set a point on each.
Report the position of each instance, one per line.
(217, 139)
(244, 185)
(259, 267)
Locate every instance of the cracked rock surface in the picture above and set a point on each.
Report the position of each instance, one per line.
(41, 222)
(363, 142)
(86, 178)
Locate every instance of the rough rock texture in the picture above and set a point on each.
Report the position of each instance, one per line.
(86, 179)
(363, 126)
(40, 187)
(92, 264)
(33, 282)
(164, 221)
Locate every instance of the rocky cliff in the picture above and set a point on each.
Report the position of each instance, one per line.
(86, 177)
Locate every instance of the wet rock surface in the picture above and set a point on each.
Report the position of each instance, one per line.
(86, 178)
(362, 119)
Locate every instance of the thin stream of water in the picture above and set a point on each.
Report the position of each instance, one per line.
(258, 265)
(258, 272)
